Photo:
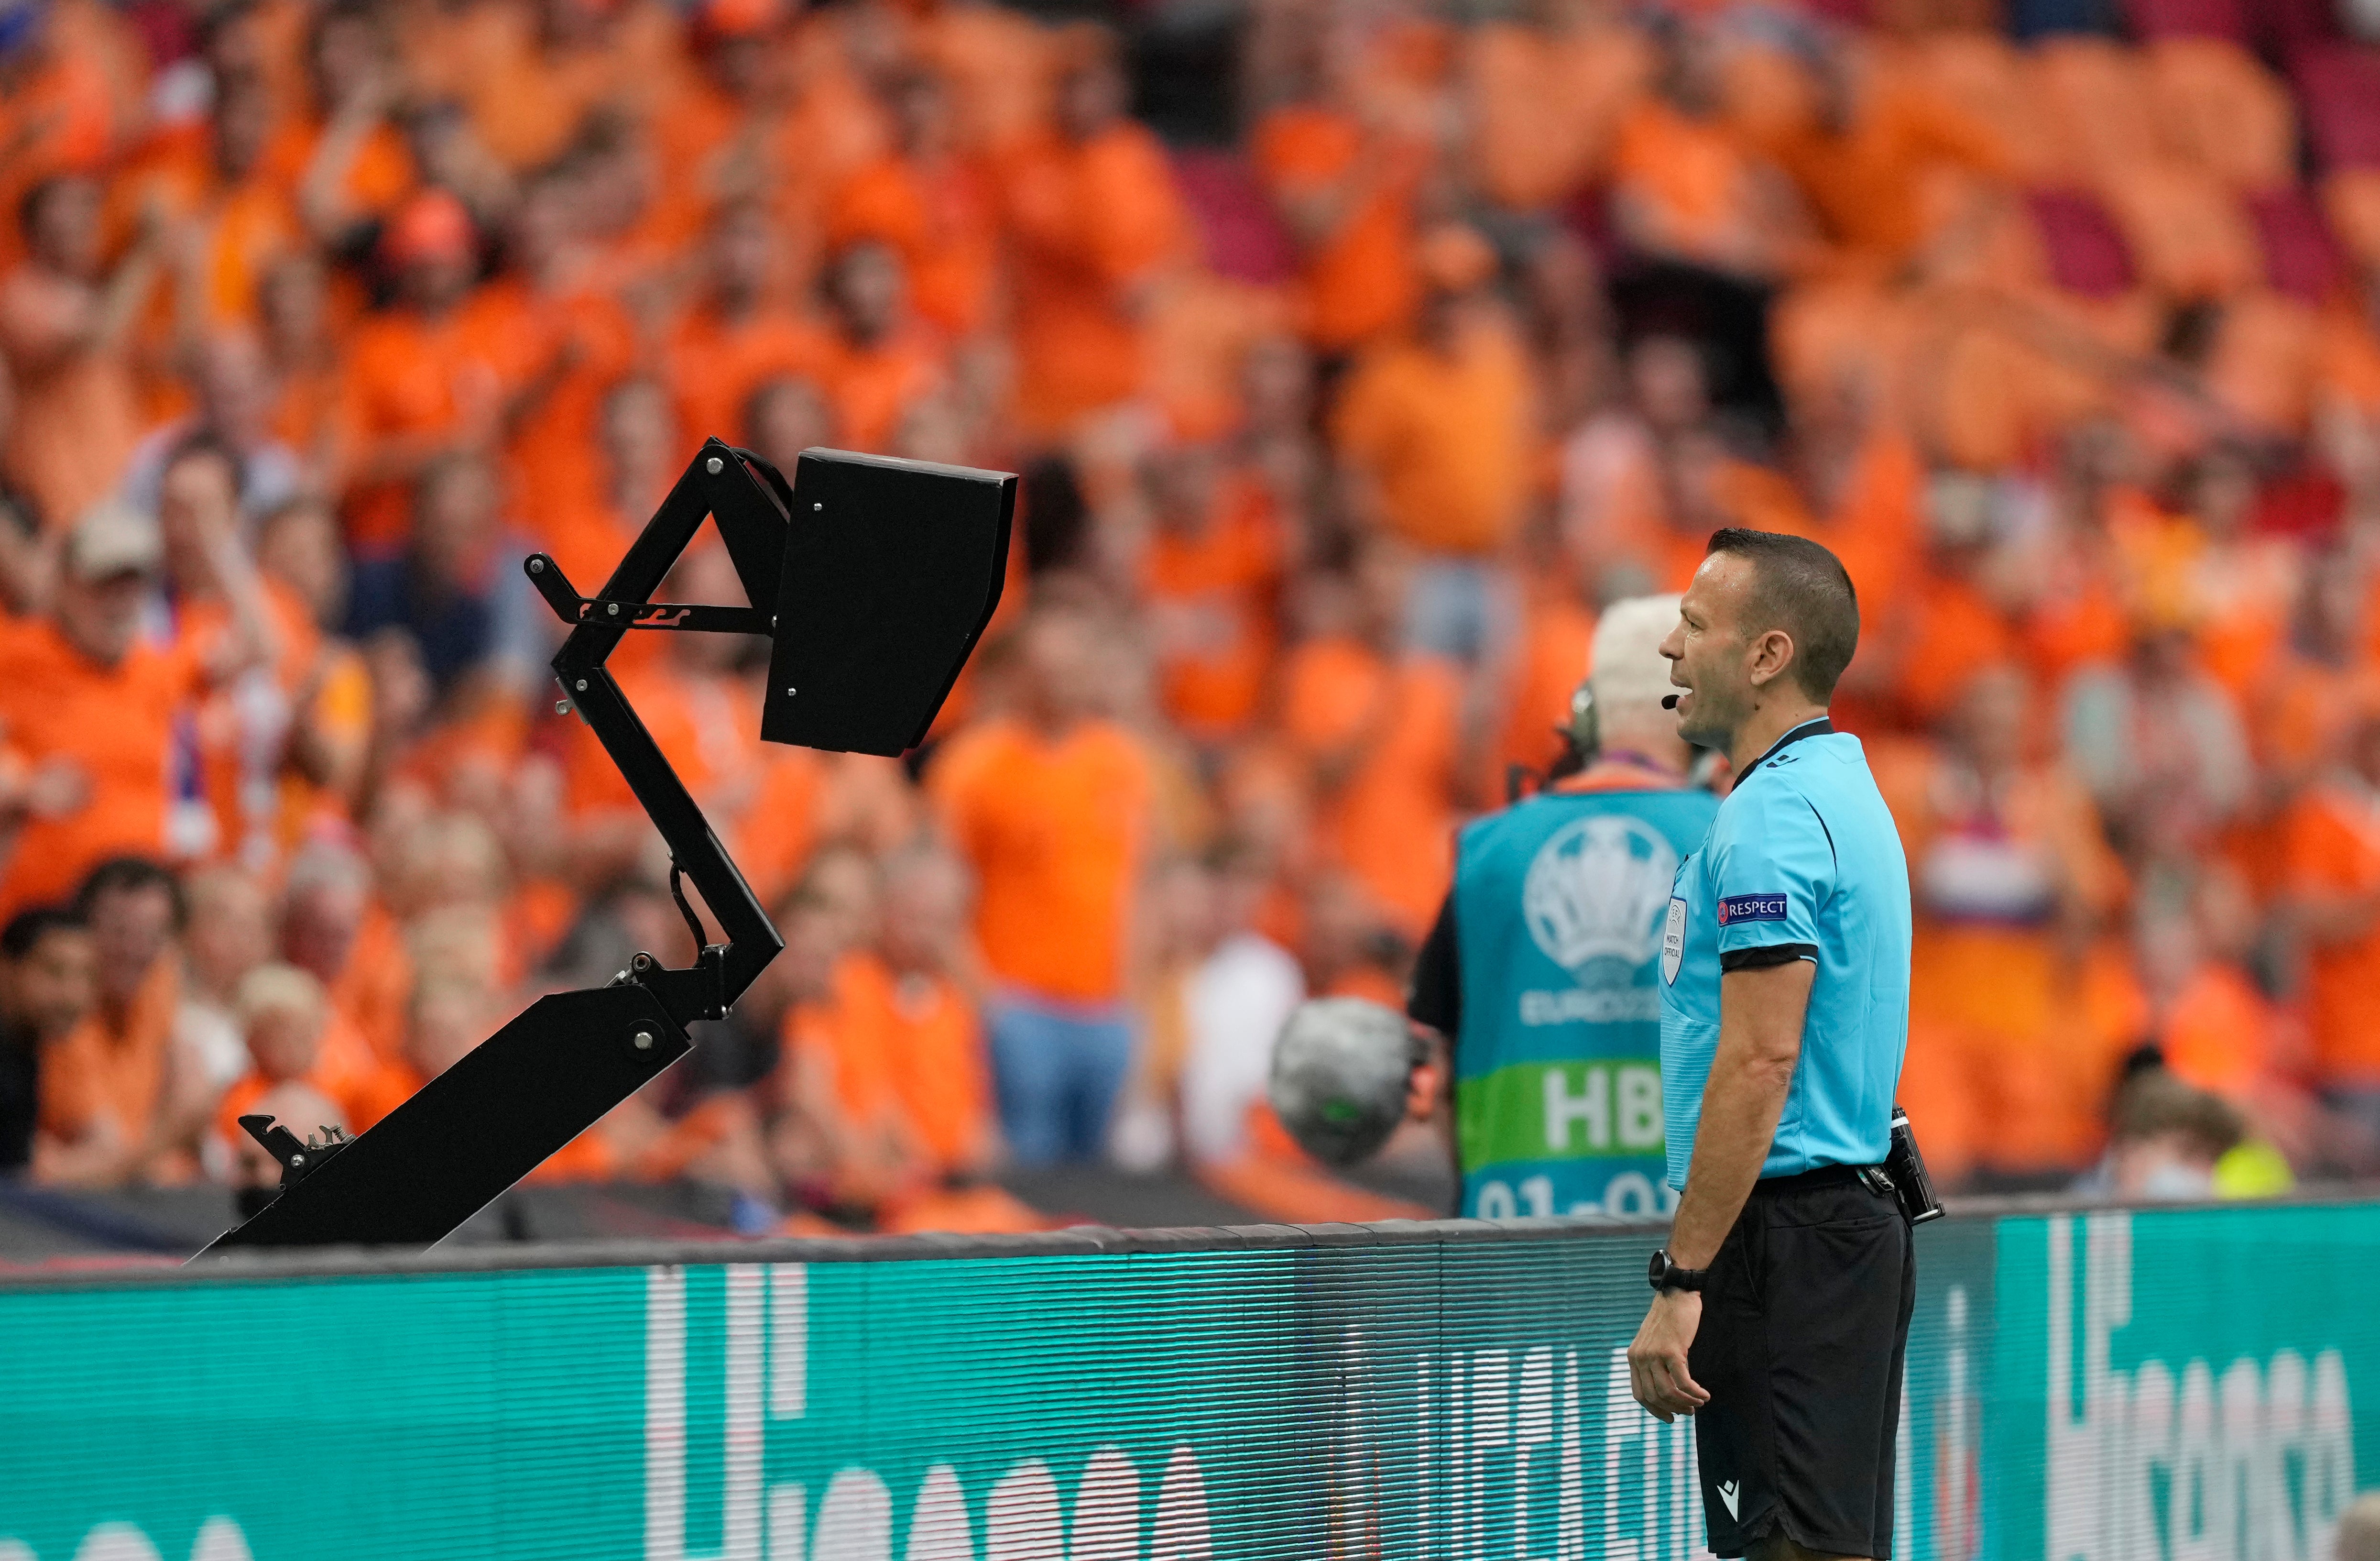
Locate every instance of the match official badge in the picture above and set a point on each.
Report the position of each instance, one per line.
(1673, 941)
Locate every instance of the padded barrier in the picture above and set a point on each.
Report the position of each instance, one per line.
(2084, 1386)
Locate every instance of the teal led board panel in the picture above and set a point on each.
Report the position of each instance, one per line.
(2191, 1385)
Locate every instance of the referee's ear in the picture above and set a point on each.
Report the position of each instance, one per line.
(1771, 656)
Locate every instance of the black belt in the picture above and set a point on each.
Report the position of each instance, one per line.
(1822, 1176)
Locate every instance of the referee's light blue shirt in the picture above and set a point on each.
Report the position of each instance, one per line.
(1803, 856)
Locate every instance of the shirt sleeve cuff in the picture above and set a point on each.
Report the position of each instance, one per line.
(1766, 955)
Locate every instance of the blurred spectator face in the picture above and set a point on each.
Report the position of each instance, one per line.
(2330, 614)
(401, 688)
(110, 563)
(743, 254)
(349, 56)
(61, 226)
(454, 525)
(1181, 483)
(234, 387)
(197, 503)
(230, 931)
(130, 926)
(1667, 380)
(2222, 493)
(299, 547)
(786, 417)
(1091, 96)
(868, 291)
(330, 891)
(53, 988)
(290, 300)
(450, 1019)
(923, 107)
(1061, 682)
(926, 906)
(639, 437)
(1277, 386)
(282, 1011)
(243, 123)
(842, 885)
(1991, 717)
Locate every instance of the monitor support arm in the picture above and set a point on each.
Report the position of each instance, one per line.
(556, 1069)
(752, 518)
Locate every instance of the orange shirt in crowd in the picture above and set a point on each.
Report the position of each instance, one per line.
(1444, 436)
(1557, 646)
(344, 1071)
(871, 388)
(374, 990)
(1544, 105)
(2334, 848)
(1688, 177)
(1210, 597)
(944, 222)
(1381, 740)
(113, 1068)
(116, 725)
(414, 383)
(1091, 224)
(1360, 279)
(586, 343)
(78, 409)
(715, 365)
(909, 1045)
(1058, 832)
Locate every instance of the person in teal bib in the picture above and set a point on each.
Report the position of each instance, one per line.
(1543, 968)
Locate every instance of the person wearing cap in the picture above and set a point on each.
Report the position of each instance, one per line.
(1543, 969)
(1783, 1299)
(1434, 441)
(89, 705)
(424, 379)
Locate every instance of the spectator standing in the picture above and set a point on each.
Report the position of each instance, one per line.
(1052, 806)
(65, 323)
(1434, 434)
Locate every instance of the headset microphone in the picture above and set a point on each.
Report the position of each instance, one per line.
(1669, 702)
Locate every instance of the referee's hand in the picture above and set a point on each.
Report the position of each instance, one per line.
(1657, 1361)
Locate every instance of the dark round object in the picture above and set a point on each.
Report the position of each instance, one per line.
(1341, 1070)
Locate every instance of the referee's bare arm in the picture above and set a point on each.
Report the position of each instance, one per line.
(1760, 1013)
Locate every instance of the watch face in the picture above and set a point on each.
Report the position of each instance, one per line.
(1659, 1268)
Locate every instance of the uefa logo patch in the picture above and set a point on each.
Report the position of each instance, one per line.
(1751, 908)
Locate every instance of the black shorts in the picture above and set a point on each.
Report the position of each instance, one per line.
(1806, 1316)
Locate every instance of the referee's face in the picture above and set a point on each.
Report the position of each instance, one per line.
(1707, 656)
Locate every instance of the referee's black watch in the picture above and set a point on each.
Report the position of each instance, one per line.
(1664, 1274)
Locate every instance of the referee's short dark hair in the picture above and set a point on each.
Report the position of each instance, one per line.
(1801, 588)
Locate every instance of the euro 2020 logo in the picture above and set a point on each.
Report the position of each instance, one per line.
(1597, 890)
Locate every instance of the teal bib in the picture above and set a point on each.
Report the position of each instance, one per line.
(1559, 906)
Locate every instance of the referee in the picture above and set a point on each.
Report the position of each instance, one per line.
(1783, 1298)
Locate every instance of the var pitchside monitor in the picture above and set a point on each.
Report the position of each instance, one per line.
(893, 568)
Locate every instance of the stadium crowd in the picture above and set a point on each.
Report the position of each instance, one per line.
(317, 315)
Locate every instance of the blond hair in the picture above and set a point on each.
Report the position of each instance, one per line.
(1629, 671)
(279, 989)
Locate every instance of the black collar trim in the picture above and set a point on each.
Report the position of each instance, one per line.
(1816, 728)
